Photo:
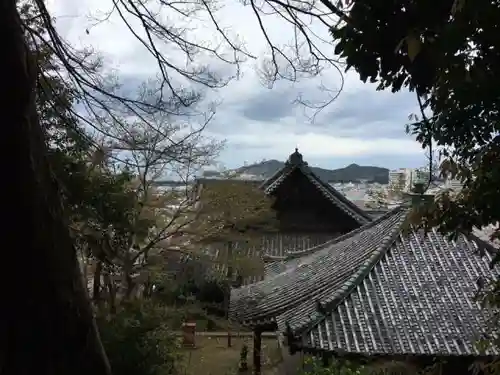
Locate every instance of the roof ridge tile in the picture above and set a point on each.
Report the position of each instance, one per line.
(271, 181)
(365, 268)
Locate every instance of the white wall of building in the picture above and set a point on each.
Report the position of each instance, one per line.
(400, 179)
(405, 178)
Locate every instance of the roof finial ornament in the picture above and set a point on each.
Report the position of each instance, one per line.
(296, 158)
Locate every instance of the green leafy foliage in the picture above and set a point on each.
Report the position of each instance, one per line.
(138, 342)
(115, 216)
(314, 366)
(456, 70)
(243, 366)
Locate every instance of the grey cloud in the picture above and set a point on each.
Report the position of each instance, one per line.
(268, 106)
(362, 114)
(366, 114)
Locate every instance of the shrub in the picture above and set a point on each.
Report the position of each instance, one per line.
(211, 291)
(243, 359)
(314, 366)
(138, 342)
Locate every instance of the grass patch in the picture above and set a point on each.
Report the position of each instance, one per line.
(212, 356)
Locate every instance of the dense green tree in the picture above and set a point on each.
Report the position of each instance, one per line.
(446, 53)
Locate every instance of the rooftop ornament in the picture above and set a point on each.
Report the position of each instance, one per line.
(296, 158)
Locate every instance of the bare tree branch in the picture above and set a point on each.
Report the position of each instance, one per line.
(163, 27)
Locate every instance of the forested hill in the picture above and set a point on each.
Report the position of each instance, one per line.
(352, 172)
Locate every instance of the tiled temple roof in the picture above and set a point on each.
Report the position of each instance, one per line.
(295, 162)
(418, 299)
(381, 289)
(277, 246)
(300, 282)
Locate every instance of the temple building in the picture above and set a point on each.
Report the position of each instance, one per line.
(372, 288)
(309, 211)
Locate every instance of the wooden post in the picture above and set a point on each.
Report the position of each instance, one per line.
(257, 346)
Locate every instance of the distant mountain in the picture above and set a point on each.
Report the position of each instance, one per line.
(265, 168)
(351, 173)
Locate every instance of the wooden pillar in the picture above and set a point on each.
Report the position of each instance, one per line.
(257, 347)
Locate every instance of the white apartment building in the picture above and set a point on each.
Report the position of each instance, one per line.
(419, 176)
(404, 179)
(399, 179)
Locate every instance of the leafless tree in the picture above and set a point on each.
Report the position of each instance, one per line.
(172, 148)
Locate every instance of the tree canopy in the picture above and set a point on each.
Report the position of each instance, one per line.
(447, 54)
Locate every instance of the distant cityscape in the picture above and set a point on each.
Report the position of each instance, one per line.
(372, 195)
(404, 179)
(364, 192)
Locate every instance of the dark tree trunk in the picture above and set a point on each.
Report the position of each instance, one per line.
(128, 287)
(46, 321)
(127, 283)
(325, 361)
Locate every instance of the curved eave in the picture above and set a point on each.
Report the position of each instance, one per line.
(317, 276)
(303, 345)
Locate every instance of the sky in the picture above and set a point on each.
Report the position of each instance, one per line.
(362, 125)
